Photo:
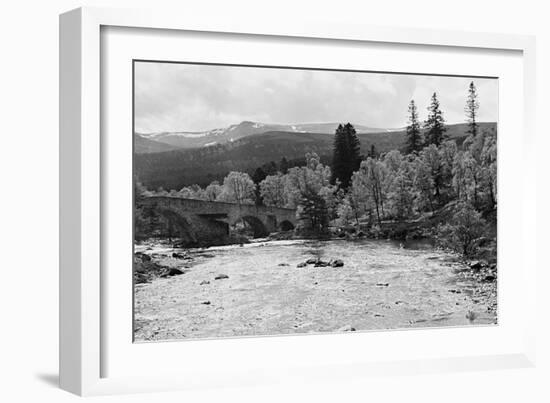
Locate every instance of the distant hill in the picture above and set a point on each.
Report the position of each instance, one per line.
(178, 168)
(232, 133)
(143, 145)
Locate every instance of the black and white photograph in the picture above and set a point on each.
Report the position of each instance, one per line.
(271, 200)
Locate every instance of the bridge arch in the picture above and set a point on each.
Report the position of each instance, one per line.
(286, 225)
(252, 224)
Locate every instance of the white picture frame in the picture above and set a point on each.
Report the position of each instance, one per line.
(83, 171)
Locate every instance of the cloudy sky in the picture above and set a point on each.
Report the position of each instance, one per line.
(185, 97)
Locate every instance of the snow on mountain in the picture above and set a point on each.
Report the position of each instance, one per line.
(196, 139)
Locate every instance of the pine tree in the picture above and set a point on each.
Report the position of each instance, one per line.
(283, 166)
(413, 140)
(472, 105)
(313, 209)
(435, 124)
(346, 155)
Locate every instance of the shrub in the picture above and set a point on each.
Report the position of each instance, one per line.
(464, 231)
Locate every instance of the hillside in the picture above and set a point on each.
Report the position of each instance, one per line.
(177, 168)
(144, 145)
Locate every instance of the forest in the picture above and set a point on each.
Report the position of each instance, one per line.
(432, 187)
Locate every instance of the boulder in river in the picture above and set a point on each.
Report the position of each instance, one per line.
(220, 276)
(302, 264)
(204, 282)
(476, 265)
(179, 255)
(283, 264)
(347, 328)
(312, 260)
(321, 263)
(490, 278)
(337, 263)
(144, 257)
(172, 271)
(382, 284)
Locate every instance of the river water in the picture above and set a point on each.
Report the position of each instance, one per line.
(382, 285)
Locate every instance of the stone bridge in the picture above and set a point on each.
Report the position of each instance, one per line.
(200, 221)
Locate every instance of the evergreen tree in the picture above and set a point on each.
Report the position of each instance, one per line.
(435, 124)
(373, 153)
(413, 140)
(313, 210)
(284, 165)
(472, 105)
(258, 176)
(346, 155)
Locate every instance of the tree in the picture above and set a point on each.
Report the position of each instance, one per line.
(472, 105)
(311, 178)
(258, 176)
(346, 155)
(423, 185)
(401, 195)
(413, 141)
(464, 231)
(435, 124)
(213, 191)
(489, 168)
(431, 157)
(367, 185)
(313, 210)
(284, 165)
(238, 188)
(272, 190)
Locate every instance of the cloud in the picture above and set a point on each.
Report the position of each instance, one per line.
(173, 97)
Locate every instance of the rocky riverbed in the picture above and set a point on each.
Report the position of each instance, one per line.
(293, 286)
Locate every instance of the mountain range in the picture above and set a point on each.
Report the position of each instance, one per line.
(165, 141)
(247, 147)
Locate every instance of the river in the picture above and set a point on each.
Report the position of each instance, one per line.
(382, 285)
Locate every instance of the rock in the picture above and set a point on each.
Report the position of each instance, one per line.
(337, 263)
(141, 278)
(471, 316)
(204, 282)
(382, 284)
(144, 257)
(456, 291)
(205, 303)
(220, 276)
(361, 234)
(489, 278)
(321, 263)
(312, 260)
(172, 272)
(347, 328)
(303, 264)
(179, 255)
(476, 265)
(283, 264)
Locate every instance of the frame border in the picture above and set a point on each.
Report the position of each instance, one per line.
(80, 308)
